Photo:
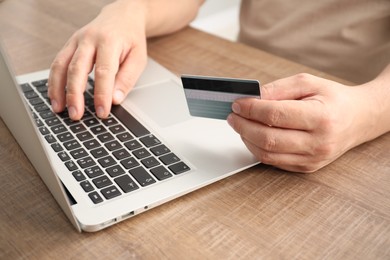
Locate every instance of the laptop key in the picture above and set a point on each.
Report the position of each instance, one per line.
(107, 161)
(160, 150)
(87, 186)
(101, 182)
(126, 183)
(78, 175)
(110, 192)
(93, 172)
(142, 176)
(150, 141)
(95, 197)
(161, 173)
(179, 168)
(115, 170)
(169, 158)
(86, 162)
(99, 152)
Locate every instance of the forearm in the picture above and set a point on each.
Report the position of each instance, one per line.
(160, 16)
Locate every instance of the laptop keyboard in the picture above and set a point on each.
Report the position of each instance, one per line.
(107, 157)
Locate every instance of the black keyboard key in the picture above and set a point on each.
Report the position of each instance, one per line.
(44, 130)
(30, 94)
(47, 114)
(150, 141)
(129, 121)
(179, 168)
(71, 165)
(69, 121)
(169, 158)
(41, 107)
(93, 172)
(115, 170)
(90, 122)
(150, 162)
(125, 137)
(98, 129)
(63, 156)
(101, 182)
(78, 153)
(99, 152)
(160, 150)
(110, 192)
(109, 121)
(26, 87)
(84, 136)
(77, 128)
(129, 163)
(121, 154)
(95, 197)
(87, 186)
(161, 173)
(107, 161)
(141, 153)
(50, 139)
(86, 162)
(52, 121)
(57, 147)
(117, 129)
(39, 83)
(142, 176)
(91, 144)
(113, 145)
(58, 129)
(71, 145)
(38, 122)
(126, 183)
(42, 89)
(36, 101)
(66, 136)
(133, 144)
(78, 175)
(105, 137)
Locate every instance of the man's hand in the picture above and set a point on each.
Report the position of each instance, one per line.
(114, 45)
(303, 122)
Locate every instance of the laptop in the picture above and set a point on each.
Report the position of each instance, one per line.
(149, 151)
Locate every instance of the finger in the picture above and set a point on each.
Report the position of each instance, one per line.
(128, 73)
(297, 87)
(106, 67)
(79, 68)
(292, 114)
(273, 139)
(57, 77)
(290, 162)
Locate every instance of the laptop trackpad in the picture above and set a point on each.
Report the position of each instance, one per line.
(163, 103)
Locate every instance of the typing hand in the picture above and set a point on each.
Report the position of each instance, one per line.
(114, 45)
(303, 122)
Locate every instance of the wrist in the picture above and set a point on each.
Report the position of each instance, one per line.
(376, 94)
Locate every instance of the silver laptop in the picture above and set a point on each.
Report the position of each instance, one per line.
(149, 151)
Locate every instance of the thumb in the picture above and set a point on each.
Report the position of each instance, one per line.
(295, 87)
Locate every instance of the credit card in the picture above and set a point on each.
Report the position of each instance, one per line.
(212, 97)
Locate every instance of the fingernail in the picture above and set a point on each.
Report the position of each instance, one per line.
(54, 105)
(236, 108)
(72, 112)
(100, 112)
(230, 120)
(118, 96)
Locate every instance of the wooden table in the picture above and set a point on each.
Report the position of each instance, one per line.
(340, 212)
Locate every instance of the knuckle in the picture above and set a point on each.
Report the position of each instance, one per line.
(269, 143)
(304, 77)
(275, 116)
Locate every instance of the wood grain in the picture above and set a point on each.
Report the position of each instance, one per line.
(340, 212)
